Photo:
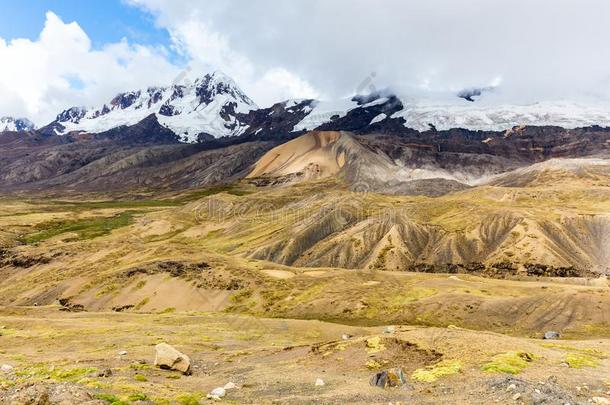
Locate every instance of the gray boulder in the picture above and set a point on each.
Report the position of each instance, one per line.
(389, 378)
(551, 335)
(217, 393)
(6, 368)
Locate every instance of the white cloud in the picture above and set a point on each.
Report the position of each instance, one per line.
(60, 69)
(280, 84)
(528, 50)
(541, 49)
(211, 50)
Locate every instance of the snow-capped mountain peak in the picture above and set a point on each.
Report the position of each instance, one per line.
(212, 106)
(449, 111)
(16, 124)
(206, 106)
(218, 83)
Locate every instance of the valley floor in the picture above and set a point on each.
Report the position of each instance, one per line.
(273, 289)
(277, 361)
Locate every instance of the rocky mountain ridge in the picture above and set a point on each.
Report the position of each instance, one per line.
(212, 106)
(460, 158)
(377, 146)
(11, 124)
(195, 111)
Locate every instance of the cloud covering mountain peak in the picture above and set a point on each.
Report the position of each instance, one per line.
(542, 51)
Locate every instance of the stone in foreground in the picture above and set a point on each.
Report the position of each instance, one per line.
(551, 335)
(217, 393)
(390, 378)
(230, 386)
(169, 358)
(6, 368)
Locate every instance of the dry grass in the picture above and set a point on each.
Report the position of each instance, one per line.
(205, 313)
(47, 345)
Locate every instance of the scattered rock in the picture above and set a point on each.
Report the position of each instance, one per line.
(345, 336)
(217, 393)
(380, 379)
(6, 368)
(230, 386)
(175, 269)
(389, 329)
(600, 401)
(68, 306)
(35, 394)
(531, 392)
(123, 353)
(169, 358)
(320, 382)
(541, 270)
(105, 373)
(551, 335)
(18, 260)
(390, 378)
(122, 308)
(41, 394)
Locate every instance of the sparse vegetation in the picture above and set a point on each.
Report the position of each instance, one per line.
(122, 269)
(588, 351)
(139, 285)
(111, 399)
(137, 396)
(189, 399)
(114, 204)
(41, 372)
(141, 304)
(232, 189)
(84, 229)
(433, 373)
(578, 360)
(511, 363)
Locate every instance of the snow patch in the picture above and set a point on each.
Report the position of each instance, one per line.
(379, 118)
(419, 114)
(207, 105)
(446, 113)
(16, 124)
(323, 112)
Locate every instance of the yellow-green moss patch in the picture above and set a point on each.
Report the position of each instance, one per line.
(577, 360)
(511, 363)
(433, 373)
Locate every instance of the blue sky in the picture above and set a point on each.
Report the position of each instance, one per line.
(113, 47)
(104, 21)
